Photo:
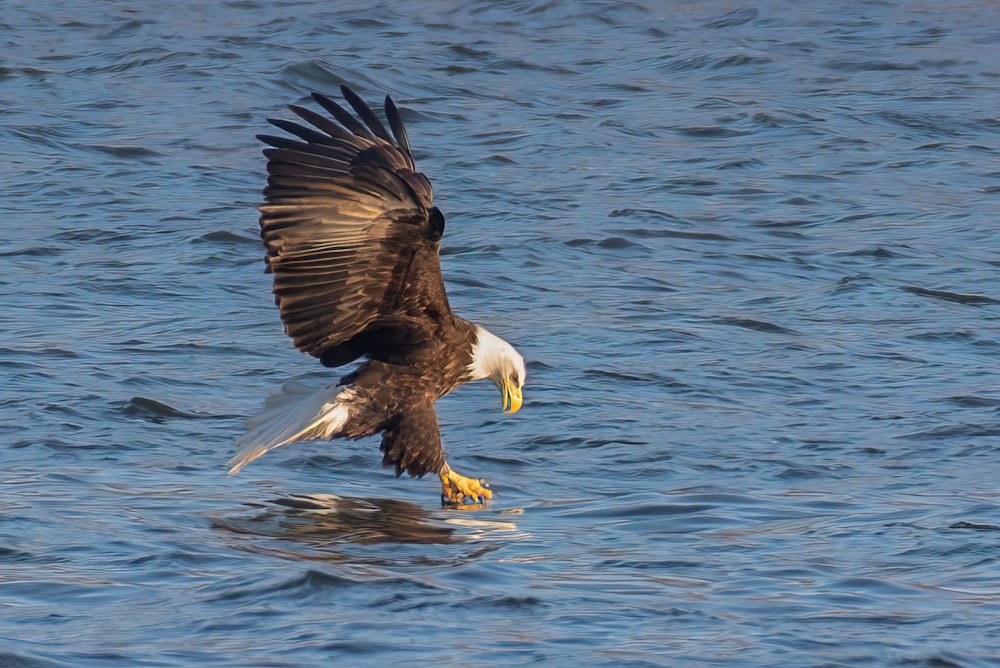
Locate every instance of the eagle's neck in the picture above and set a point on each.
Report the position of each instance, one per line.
(488, 351)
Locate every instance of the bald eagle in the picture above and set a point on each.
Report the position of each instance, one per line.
(352, 238)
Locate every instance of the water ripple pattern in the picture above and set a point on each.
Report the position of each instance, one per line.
(750, 252)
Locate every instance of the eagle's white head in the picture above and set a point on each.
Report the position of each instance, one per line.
(494, 358)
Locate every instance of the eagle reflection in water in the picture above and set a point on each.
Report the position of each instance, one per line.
(325, 521)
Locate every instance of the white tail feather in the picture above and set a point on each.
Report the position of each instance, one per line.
(297, 413)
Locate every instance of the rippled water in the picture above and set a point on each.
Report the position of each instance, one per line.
(750, 251)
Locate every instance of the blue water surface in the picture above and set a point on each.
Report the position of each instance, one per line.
(750, 252)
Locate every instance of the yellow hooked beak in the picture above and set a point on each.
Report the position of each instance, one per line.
(511, 397)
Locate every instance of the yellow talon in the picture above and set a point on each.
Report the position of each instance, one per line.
(457, 490)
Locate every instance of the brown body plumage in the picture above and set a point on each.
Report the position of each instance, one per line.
(352, 238)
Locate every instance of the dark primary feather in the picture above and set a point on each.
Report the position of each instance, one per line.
(398, 129)
(321, 122)
(311, 136)
(352, 236)
(343, 116)
(366, 114)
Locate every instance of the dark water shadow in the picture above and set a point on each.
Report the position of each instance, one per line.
(324, 520)
(325, 526)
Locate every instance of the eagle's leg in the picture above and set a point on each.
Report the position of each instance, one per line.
(457, 490)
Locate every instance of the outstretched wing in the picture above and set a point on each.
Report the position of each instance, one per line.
(351, 233)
